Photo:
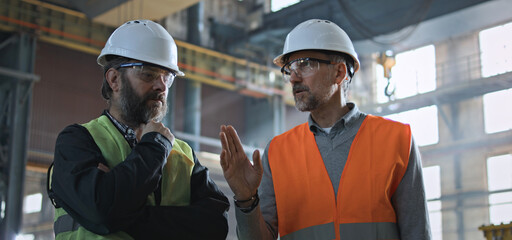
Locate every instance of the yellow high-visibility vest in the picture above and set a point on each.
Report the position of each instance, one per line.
(114, 148)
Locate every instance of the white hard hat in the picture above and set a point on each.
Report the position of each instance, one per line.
(142, 40)
(317, 34)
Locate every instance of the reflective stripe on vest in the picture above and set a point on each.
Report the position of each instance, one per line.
(304, 194)
(65, 223)
(369, 231)
(349, 231)
(323, 231)
(114, 148)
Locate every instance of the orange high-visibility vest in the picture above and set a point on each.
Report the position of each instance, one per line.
(305, 201)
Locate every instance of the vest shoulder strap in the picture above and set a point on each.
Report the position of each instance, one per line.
(107, 137)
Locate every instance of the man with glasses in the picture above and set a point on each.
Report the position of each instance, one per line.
(343, 174)
(124, 175)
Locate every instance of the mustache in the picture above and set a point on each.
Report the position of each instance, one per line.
(155, 96)
(299, 87)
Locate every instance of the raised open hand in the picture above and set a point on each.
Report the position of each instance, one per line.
(243, 177)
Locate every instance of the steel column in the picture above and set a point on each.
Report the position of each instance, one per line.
(279, 114)
(171, 108)
(16, 81)
(193, 88)
(193, 111)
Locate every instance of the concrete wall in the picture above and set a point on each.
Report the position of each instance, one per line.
(464, 193)
(68, 92)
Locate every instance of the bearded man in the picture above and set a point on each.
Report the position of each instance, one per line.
(124, 175)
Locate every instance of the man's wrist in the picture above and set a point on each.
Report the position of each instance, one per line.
(247, 205)
(244, 200)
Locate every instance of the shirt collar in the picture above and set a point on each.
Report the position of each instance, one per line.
(345, 121)
(128, 133)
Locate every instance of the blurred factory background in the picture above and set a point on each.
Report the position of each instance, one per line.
(450, 65)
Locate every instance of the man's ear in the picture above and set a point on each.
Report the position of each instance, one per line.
(341, 73)
(114, 79)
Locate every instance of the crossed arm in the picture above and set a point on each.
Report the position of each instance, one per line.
(115, 200)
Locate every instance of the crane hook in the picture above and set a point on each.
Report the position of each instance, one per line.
(388, 93)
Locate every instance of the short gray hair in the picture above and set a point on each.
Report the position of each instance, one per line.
(349, 62)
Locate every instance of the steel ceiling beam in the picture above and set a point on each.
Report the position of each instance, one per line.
(443, 95)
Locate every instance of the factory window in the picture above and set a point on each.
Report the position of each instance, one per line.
(424, 125)
(278, 5)
(413, 73)
(32, 203)
(496, 117)
(432, 181)
(2, 210)
(499, 181)
(496, 50)
(25, 237)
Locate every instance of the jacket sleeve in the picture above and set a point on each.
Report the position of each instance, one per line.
(105, 202)
(261, 222)
(409, 201)
(204, 218)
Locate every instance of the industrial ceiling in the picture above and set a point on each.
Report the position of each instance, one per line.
(115, 12)
(365, 21)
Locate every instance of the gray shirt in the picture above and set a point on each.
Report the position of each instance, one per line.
(408, 201)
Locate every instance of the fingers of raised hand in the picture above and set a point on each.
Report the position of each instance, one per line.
(256, 159)
(234, 142)
(224, 143)
(224, 163)
(234, 153)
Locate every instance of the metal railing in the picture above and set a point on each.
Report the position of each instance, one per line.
(72, 29)
(460, 69)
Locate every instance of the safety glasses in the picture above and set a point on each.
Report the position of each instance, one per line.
(303, 67)
(149, 72)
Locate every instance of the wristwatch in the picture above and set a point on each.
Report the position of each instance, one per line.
(250, 208)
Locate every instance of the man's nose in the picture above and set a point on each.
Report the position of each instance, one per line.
(295, 77)
(160, 82)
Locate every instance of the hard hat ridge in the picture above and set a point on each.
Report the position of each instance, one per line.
(318, 34)
(142, 40)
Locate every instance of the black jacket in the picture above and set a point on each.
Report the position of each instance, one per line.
(106, 202)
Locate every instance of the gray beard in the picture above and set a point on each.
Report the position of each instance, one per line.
(135, 109)
(306, 104)
(311, 102)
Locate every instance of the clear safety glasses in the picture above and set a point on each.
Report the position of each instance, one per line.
(149, 72)
(303, 67)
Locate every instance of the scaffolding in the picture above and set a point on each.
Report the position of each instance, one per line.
(497, 232)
